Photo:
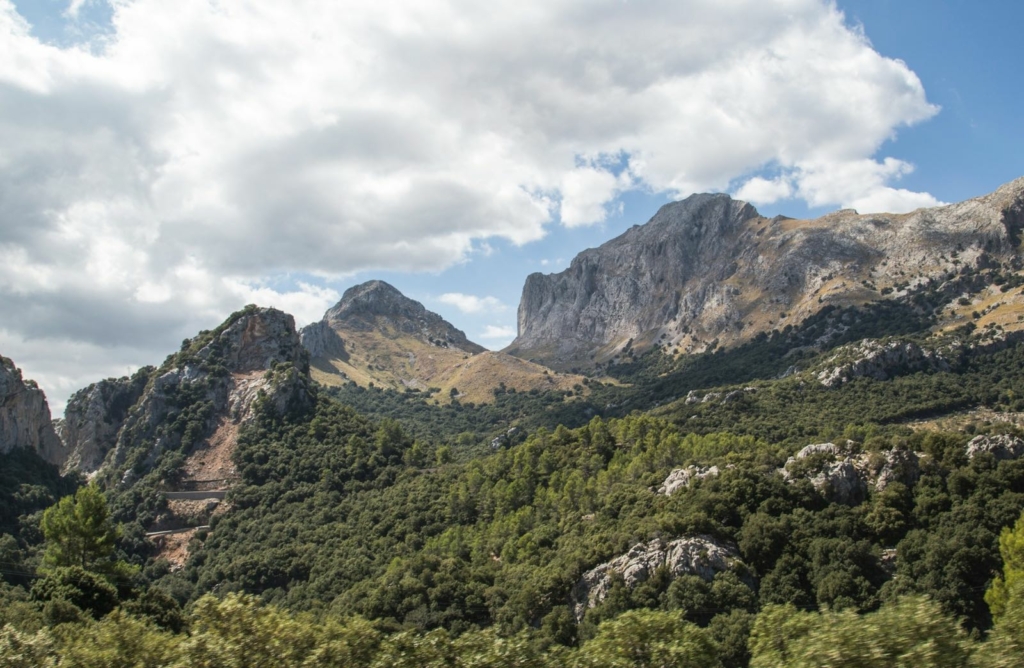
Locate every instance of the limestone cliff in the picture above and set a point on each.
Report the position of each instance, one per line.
(94, 417)
(25, 416)
(709, 270)
(201, 395)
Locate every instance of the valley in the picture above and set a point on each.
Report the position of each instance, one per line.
(716, 429)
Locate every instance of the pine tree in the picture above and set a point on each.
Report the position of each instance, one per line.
(79, 532)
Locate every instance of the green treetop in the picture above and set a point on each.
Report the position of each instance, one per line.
(79, 532)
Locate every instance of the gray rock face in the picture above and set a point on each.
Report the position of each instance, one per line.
(694, 555)
(94, 417)
(841, 482)
(25, 416)
(873, 359)
(258, 354)
(681, 478)
(818, 449)
(320, 340)
(902, 466)
(845, 476)
(376, 305)
(633, 284)
(705, 269)
(1000, 446)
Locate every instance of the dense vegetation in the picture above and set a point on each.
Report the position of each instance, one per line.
(237, 631)
(787, 411)
(371, 528)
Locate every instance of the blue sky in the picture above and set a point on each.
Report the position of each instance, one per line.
(968, 56)
(166, 163)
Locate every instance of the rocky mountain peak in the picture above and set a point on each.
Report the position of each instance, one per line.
(630, 285)
(253, 339)
(379, 306)
(200, 394)
(709, 271)
(374, 298)
(94, 416)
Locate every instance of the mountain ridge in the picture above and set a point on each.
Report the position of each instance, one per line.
(709, 270)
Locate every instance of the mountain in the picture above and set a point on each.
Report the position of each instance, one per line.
(710, 271)
(94, 416)
(25, 417)
(194, 403)
(376, 335)
(859, 466)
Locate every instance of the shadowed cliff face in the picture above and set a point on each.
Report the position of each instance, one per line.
(709, 270)
(25, 416)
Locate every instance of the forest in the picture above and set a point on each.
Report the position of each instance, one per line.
(370, 528)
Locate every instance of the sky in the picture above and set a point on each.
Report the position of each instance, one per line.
(162, 164)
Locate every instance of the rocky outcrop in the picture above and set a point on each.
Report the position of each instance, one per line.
(693, 555)
(709, 271)
(889, 466)
(218, 378)
(680, 478)
(321, 340)
(882, 360)
(25, 416)
(376, 305)
(844, 475)
(94, 417)
(694, 397)
(1000, 446)
(635, 284)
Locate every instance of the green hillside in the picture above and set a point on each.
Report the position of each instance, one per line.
(369, 524)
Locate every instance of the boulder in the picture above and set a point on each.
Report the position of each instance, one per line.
(845, 476)
(699, 555)
(1000, 446)
(683, 477)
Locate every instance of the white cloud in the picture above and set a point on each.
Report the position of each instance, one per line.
(765, 191)
(854, 184)
(586, 193)
(861, 185)
(472, 303)
(199, 147)
(548, 262)
(498, 336)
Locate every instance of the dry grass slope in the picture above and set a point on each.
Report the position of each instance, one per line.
(391, 359)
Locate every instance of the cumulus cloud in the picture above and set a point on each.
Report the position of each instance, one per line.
(586, 194)
(197, 151)
(498, 336)
(760, 190)
(862, 185)
(855, 184)
(472, 303)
